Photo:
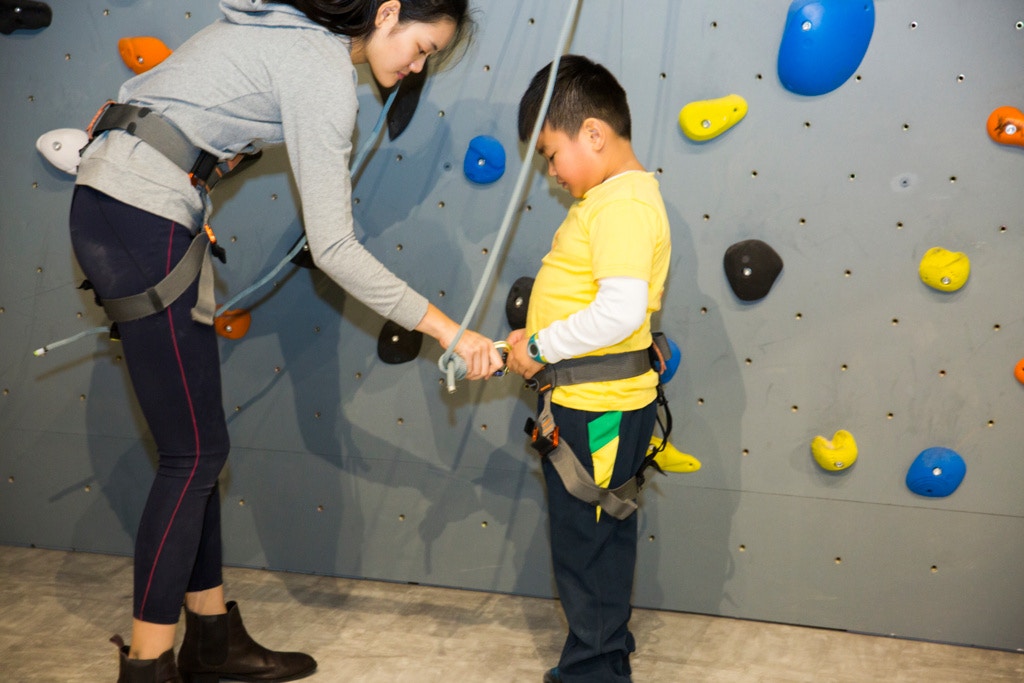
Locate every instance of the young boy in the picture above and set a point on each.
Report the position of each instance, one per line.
(594, 296)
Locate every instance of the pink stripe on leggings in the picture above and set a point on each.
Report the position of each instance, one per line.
(195, 430)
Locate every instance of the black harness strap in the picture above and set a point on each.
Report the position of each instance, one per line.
(593, 369)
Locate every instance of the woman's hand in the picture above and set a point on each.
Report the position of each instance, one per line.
(482, 359)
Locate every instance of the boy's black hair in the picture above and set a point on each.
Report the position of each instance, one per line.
(583, 89)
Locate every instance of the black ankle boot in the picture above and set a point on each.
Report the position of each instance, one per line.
(161, 670)
(218, 645)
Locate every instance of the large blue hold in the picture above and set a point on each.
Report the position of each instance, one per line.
(823, 43)
(936, 472)
(485, 160)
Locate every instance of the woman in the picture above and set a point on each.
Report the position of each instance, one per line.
(269, 72)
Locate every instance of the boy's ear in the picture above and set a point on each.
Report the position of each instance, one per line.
(595, 132)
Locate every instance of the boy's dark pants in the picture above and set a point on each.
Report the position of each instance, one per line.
(594, 560)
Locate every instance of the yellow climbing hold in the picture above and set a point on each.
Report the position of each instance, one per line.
(944, 270)
(672, 459)
(837, 454)
(706, 119)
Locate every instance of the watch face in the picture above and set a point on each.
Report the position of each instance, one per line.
(533, 349)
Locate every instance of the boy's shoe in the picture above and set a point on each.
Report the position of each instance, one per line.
(552, 676)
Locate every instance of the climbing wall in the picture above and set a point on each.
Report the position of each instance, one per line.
(345, 465)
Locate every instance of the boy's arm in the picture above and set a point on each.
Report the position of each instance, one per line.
(618, 309)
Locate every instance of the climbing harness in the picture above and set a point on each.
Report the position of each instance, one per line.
(195, 263)
(205, 172)
(619, 502)
(203, 168)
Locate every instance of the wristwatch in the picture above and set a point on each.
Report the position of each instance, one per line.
(533, 348)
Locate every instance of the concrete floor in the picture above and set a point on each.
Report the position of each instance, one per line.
(58, 609)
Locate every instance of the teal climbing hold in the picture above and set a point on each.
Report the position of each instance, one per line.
(823, 43)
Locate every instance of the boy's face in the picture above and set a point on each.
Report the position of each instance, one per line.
(570, 159)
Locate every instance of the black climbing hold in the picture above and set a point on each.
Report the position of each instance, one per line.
(303, 258)
(406, 101)
(751, 266)
(23, 14)
(395, 344)
(517, 302)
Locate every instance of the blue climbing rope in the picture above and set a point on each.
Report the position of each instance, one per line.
(357, 165)
(450, 363)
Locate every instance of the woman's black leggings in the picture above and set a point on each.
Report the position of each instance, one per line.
(174, 366)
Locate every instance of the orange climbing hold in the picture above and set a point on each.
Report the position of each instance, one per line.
(143, 53)
(1006, 126)
(1018, 372)
(233, 324)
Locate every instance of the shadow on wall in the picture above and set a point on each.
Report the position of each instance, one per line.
(350, 456)
(685, 554)
(122, 474)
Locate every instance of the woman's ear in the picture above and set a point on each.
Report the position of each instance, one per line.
(387, 13)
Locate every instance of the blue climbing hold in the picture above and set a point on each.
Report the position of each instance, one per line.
(936, 472)
(823, 43)
(672, 362)
(485, 160)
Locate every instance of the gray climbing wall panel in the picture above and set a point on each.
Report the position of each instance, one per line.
(344, 465)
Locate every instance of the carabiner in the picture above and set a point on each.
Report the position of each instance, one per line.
(504, 349)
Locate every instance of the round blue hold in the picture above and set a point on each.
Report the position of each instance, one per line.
(936, 472)
(823, 43)
(485, 160)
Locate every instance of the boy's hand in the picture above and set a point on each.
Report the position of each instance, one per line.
(519, 361)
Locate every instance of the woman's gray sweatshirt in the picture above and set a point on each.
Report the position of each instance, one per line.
(263, 74)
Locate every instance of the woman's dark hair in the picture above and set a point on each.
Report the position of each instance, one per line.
(355, 18)
(582, 89)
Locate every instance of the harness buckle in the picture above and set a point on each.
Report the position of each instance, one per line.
(99, 114)
(534, 384)
(202, 170)
(215, 248)
(542, 444)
